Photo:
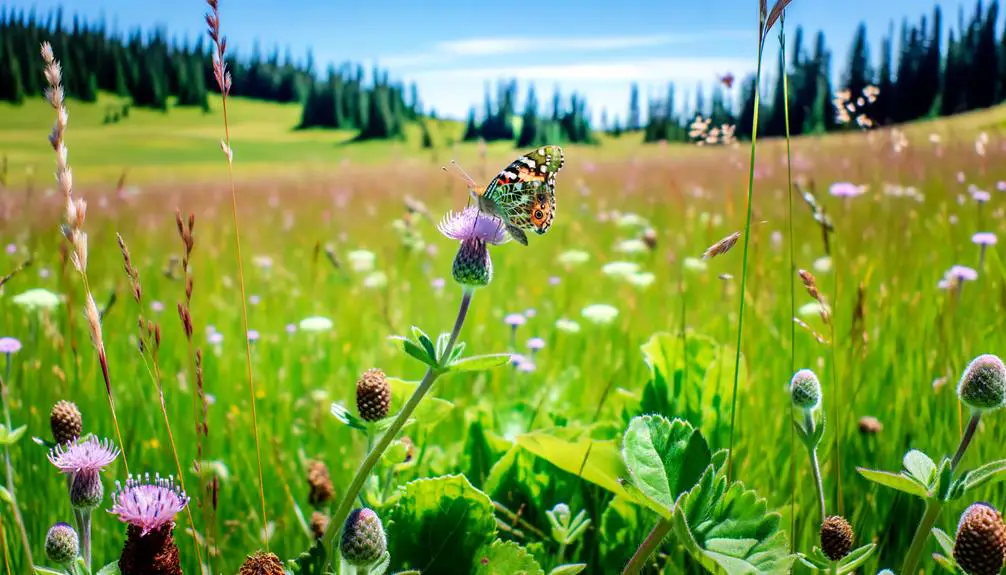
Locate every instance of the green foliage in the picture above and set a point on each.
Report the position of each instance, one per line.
(818, 561)
(623, 526)
(506, 558)
(438, 524)
(665, 459)
(310, 562)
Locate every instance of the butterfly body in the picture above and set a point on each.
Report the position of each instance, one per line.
(522, 195)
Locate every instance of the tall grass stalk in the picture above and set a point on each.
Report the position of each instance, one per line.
(223, 79)
(747, 242)
(15, 507)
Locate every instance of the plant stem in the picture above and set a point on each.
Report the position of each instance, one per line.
(744, 264)
(4, 391)
(933, 508)
(815, 466)
(85, 537)
(969, 434)
(374, 455)
(648, 546)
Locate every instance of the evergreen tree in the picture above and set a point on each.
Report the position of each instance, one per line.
(859, 74)
(530, 129)
(633, 122)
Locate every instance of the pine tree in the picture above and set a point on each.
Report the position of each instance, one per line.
(633, 122)
(11, 87)
(471, 128)
(530, 128)
(859, 75)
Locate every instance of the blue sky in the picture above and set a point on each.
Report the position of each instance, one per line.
(451, 49)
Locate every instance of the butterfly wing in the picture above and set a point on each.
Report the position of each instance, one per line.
(523, 194)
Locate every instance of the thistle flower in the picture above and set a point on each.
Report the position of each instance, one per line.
(9, 345)
(262, 563)
(62, 544)
(805, 390)
(515, 320)
(981, 540)
(475, 230)
(89, 455)
(363, 540)
(836, 537)
(535, 344)
(147, 504)
(984, 239)
(983, 384)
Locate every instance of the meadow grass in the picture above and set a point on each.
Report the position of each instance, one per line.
(896, 247)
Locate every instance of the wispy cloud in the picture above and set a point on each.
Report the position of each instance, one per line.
(453, 50)
(687, 69)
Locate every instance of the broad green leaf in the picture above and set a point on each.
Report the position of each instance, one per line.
(568, 569)
(481, 451)
(415, 350)
(46, 571)
(665, 458)
(945, 480)
(624, 524)
(990, 472)
(921, 467)
(430, 409)
(10, 437)
(855, 558)
(480, 362)
(946, 542)
(730, 529)
(517, 483)
(110, 569)
(439, 524)
(597, 461)
(894, 481)
(506, 558)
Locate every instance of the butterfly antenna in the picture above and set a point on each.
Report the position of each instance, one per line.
(469, 181)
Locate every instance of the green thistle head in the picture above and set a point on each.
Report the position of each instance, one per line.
(983, 385)
(805, 390)
(475, 230)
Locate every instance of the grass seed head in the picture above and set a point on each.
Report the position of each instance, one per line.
(983, 384)
(721, 247)
(981, 540)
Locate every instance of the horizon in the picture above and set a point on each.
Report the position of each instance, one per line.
(597, 54)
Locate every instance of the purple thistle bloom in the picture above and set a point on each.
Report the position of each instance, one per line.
(11, 249)
(516, 359)
(962, 273)
(984, 239)
(472, 224)
(9, 345)
(554, 280)
(253, 335)
(515, 320)
(526, 366)
(156, 306)
(981, 196)
(146, 504)
(846, 190)
(291, 328)
(88, 455)
(535, 344)
(215, 338)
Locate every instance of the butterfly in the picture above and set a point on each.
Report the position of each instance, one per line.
(522, 195)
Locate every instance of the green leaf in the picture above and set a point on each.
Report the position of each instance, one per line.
(6, 496)
(442, 340)
(814, 561)
(439, 524)
(82, 568)
(730, 529)
(310, 562)
(110, 569)
(856, 558)
(945, 480)
(623, 526)
(430, 409)
(665, 458)
(568, 569)
(424, 340)
(480, 362)
(921, 467)
(597, 461)
(894, 481)
(945, 541)
(947, 563)
(415, 350)
(345, 416)
(10, 437)
(990, 472)
(506, 558)
(47, 571)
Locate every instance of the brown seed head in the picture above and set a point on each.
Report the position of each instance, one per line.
(373, 395)
(869, 425)
(262, 563)
(319, 524)
(836, 537)
(65, 421)
(319, 482)
(721, 247)
(981, 540)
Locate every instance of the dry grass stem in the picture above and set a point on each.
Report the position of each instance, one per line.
(721, 247)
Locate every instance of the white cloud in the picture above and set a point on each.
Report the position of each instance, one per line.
(641, 69)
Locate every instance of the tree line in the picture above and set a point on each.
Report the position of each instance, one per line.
(919, 74)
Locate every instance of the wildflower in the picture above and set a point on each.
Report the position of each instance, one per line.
(981, 540)
(363, 540)
(535, 344)
(983, 384)
(475, 230)
(822, 264)
(805, 390)
(66, 422)
(984, 239)
(962, 273)
(515, 320)
(573, 257)
(554, 280)
(88, 455)
(438, 283)
(215, 338)
(633, 246)
(981, 196)
(37, 299)
(316, 324)
(11, 249)
(567, 325)
(375, 280)
(291, 328)
(836, 537)
(361, 260)
(263, 262)
(600, 313)
(156, 306)
(149, 508)
(530, 313)
(263, 563)
(631, 220)
(695, 264)
(620, 269)
(526, 366)
(62, 544)
(9, 346)
(641, 279)
(253, 335)
(846, 190)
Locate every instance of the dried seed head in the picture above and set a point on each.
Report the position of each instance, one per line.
(836, 537)
(721, 247)
(262, 563)
(981, 540)
(66, 422)
(373, 395)
(869, 425)
(983, 384)
(805, 389)
(363, 540)
(319, 524)
(319, 482)
(810, 284)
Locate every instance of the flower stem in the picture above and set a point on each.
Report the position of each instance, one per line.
(815, 466)
(4, 383)
(375, 453)
(85, 537)
(648, 546)
(969, 434)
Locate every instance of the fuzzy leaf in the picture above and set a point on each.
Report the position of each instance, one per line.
(856, 558)
(439, 524)
(946, 542)
(110, 569)
(480, 362)
(990, 472)
(730, 529)
(506, 558)
(568, 569)
(415, 350)
(430, 409)
(921, 467)
(597, 461)
(665, 458)
(897, 481)
(427, 344)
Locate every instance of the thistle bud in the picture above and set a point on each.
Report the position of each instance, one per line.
(363, 540)
(836, 537)
(983, 385)
(981, 540)
(86, 490)
(805, 390)
(62, 544)
(472, 266)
